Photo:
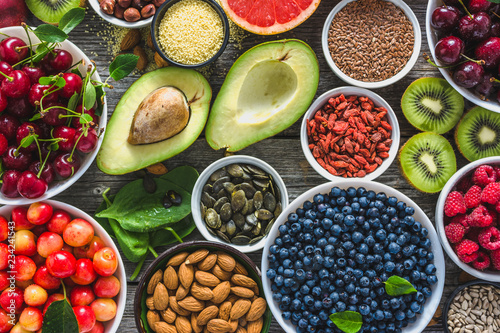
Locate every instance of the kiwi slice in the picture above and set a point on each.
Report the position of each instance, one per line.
(431, 104)
(51, 11)
(427, 161)
(478, 134)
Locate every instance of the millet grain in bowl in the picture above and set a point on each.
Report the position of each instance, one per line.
(371, 40)
(191, 32)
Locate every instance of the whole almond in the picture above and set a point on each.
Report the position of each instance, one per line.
(183, 325)
(170, 278)
(186, 275)
(242, 292)
(255, 326)
(181, 293)
(142, 63)
(149, 41)
(207, 314)
(192, 304)
(221, 274)
(221, 292)
(157, 277)
(159, 61)
(243, 281)
(240, 308)
(177, 308)
(163, 327)
(178, 259)
(234, 325)
(152, 317)
(239, 269)
(131, 39)
(201, 292)
(196, 256)
(257, 309)
(168, 315)
(206, 279)
(241, 329)
(225, 261)
(208, 263)
(255, 289)
(225, 310)
(157, 169)
(194, 323)
(232, 298)
(218, 326)
(149, 303)
(160, 297)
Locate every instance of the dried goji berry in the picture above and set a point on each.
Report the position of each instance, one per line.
(383, 154)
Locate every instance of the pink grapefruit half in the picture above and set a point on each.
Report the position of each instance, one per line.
(269, 17)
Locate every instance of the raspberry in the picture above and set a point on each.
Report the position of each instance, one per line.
(497, 207)
(463, 220)
(473, 197)
(454, 232)
(467, 251)
(491, 193)
(454, 204)
(489, 238)
(480, 217)
(495, 259)
(464, 184)
(497, 171)
(483, 175)
(482, 261)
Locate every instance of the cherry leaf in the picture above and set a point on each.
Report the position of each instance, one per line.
(122, 66)
(90, 95)
(50, 34)
(73, 101)
(71, 19)
(85, 118)
(27, 140)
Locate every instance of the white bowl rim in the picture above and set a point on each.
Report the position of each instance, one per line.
(119, 22)
(121, 300)
(88, 160)
(348, 91)
(432, 40)
(202, 180)
(486, 275)
(417, 44)
(437, 289)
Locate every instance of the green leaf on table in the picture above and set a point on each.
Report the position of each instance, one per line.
(184, 176)
(397, 286)
(103, 221)
(73, 101)
(122, 66)
(347, 321)
(50, 34)
(90, 95)
(139, 211)
(60, 318)
(100, 93)
(164, 237)
(71, 19)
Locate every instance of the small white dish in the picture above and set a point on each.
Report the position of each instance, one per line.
(202, 180)
(437, 289)
(120, 22)
(349, 91)
(488, 275)
(379, 84)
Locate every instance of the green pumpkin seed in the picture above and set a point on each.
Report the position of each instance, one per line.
(255, 239)
(219, 203)
(278, 209)
(219, 184)
(269, 202)
(207, 200)
(258, 200)
(218, 174)
(241, 240)
(255, 170)
(230, 227)
(212, 219)
(256, 230)
(238, 200)
(234, 170)
(225, 212)
(263, 214)
(229, 187)
(239, 220)
(223, 236)
(251, 219)
(269, 226)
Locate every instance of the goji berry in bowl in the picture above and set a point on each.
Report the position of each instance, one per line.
(467, 215)
(350, 132)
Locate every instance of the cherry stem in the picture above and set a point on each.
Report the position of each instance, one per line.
(25, 27)
(494, 80)
(10, 78)
(466, 10)
(76, 143)
(494, 13)
(479, 62)
(64, 288)
(42, 165)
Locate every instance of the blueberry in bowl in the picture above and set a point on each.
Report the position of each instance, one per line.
(340, 247)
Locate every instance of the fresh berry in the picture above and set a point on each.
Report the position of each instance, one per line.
(489, 238)
(491, 193)
(467, 250)
(454, 204)
(454, 232)
(463, 220)
(13, 50)
(480, 217)
(483, 175)
(482, 261)
(473, 197)
(495, 259)
(464, 184)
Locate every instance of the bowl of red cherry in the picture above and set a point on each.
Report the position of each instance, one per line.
(464, 40)
(51, 116)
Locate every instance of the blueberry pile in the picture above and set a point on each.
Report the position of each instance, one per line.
(334, 254)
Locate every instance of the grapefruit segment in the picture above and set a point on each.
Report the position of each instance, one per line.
(262, 14)
(286, 11)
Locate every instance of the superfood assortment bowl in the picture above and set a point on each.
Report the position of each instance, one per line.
(349, 91)
(373, 85)
(140, 308)
(60, 185)
(437, 289)
(491, 276)
(117, 21)
(204, 177)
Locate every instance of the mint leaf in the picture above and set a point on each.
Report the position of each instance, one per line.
(122, 66)
(71, 19)
(41, 51)
(50, 34)
(347, 321)
(90, 95)
(397, 286)
(60, 318)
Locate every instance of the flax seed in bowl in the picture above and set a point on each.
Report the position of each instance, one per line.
(371, 43)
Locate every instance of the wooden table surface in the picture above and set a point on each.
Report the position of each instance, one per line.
(282, 151)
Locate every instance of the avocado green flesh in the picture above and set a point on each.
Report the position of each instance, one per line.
(117, 156)
(266, 90)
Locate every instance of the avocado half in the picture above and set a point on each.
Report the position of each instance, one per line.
(266, 90)
(117, 156)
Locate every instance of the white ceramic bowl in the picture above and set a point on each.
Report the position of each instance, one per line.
(373, 85)
(349, 91)
(202, 180)
(432, 39)
(119, 22)
(121, 299)
(437, 289)
(466, 170)
(60, 185)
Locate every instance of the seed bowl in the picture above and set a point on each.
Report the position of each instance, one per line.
(117, 21)
(204, 177)
(349, 91)
(140, 308)
(379, 84)
(437, 289)
(488, 275)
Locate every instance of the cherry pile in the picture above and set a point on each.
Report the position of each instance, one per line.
(41, 139)
(55, 255)
(470, 44)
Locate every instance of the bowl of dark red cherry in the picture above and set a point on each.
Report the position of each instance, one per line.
(464, 40)
(51, 119)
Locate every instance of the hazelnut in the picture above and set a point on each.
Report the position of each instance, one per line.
(108, 6)
(139, 4)
(124, 3)
(119, 10)
(148, 11)
(131, 15)
(158, 3)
